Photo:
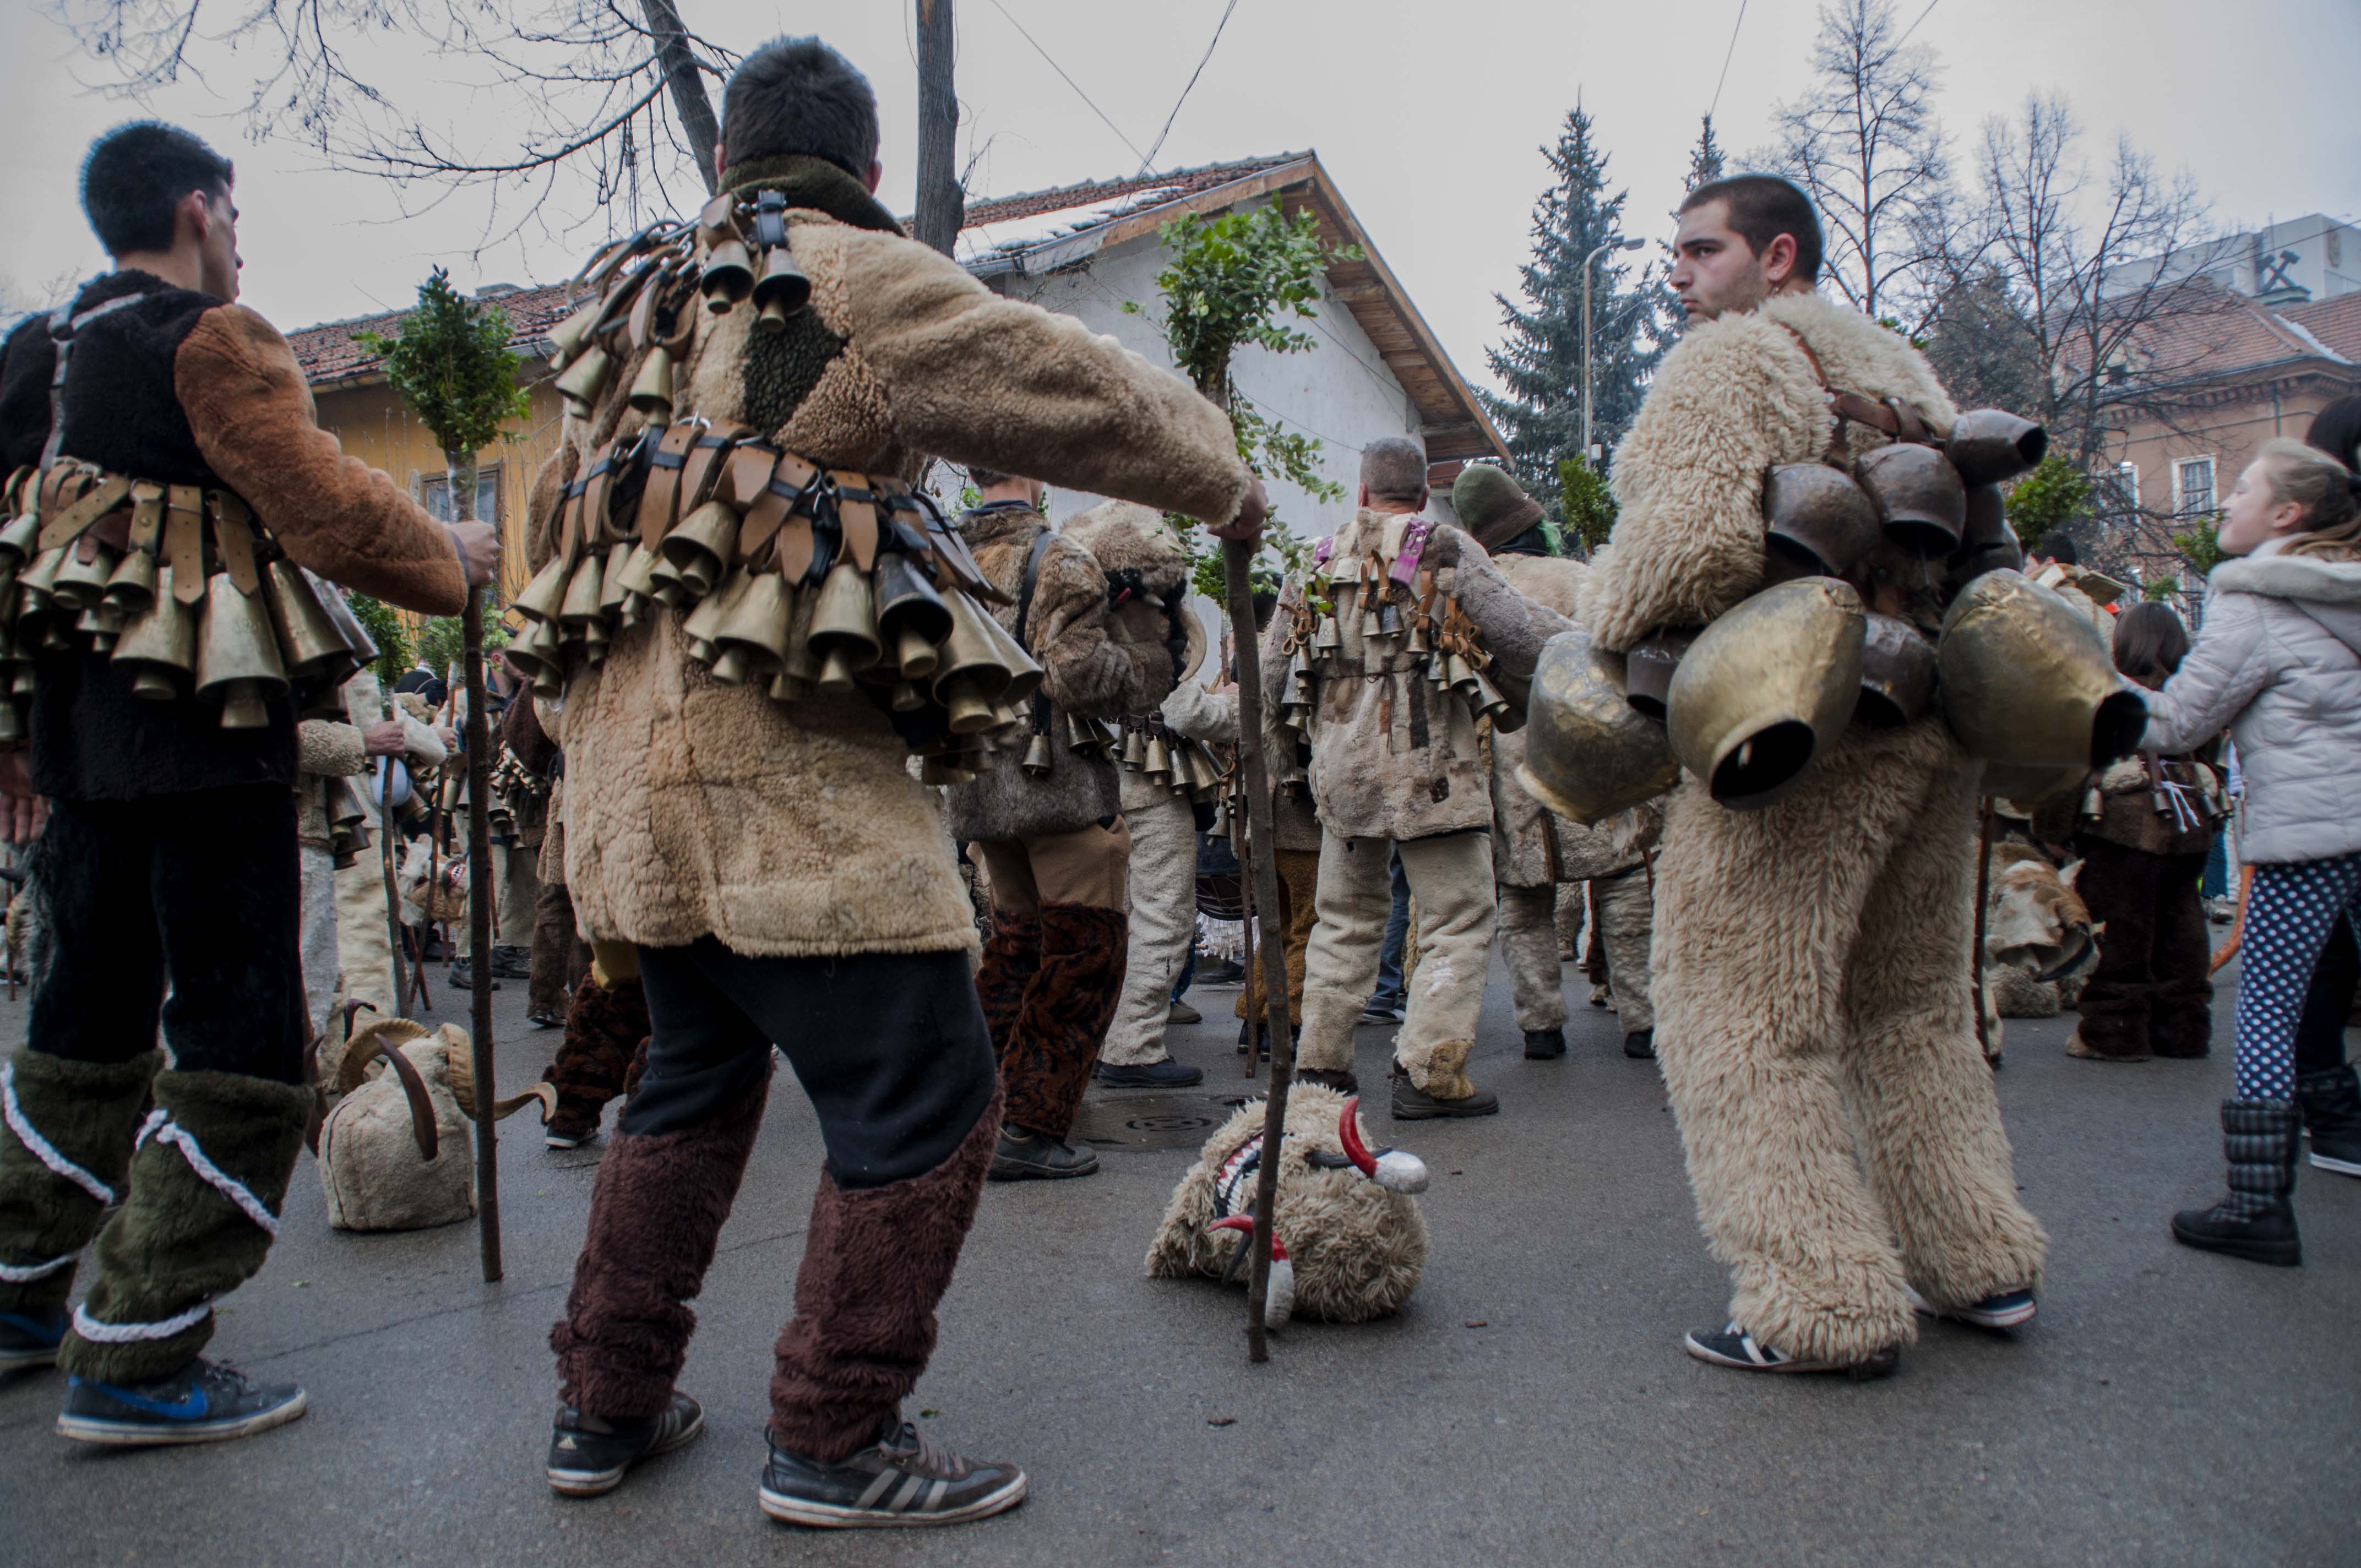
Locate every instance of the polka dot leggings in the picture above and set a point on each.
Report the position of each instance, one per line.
(2289, 915)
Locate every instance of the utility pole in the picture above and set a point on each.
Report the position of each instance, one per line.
(1611, 244)
(942, 205)
(683, 75)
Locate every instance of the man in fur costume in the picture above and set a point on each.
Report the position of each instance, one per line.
(364, 946)
(783, 875)
(170, 856)
(1396, 758)
(1534, 850)
(1811, 963)
(1045, 819)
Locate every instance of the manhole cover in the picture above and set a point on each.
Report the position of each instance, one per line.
(1152, 1121)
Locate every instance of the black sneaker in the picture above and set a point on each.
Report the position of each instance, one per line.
(1329, 1078)
(1021, 1155)
(1165, 1074)
(1414, 1104)
(27, 1342)
(200, 1403)
(901, 1479)
(511, 963)
(1733, 1346)
(1221, 972)
(587, 1454)
(1382, 1012)
(1545, 1045)
(1640, 1045)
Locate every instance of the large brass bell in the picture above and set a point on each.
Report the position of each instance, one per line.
(1648, 670)
(1160, 760)
(634, 583)
(545, 595)
(755, 629)
(912, 619)
(539, 654)
(314, 649)
(1764, 690)
(20, 541)
(580, 607)
(702, 624)
(81, 583)
(612, 595)
(566, 338)
(1989, 446)
(651, 393)
(1817, 521)
(1987, 543)
(133, 586)
(580, 382)
(701, 548)
(1921, 502)
(844, 621)
(1134, 749)
(160, 645)
(972, 672)
(237, 654)
(781, 292)
(1588, 755)
(1897, 674)
(2029, 683)
(729, 275)
(348, 626)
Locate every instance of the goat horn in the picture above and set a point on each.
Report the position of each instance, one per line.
(1348, 1133)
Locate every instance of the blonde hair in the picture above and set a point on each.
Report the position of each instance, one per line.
(2328, 492)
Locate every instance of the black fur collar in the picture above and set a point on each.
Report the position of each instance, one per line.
(816, 183)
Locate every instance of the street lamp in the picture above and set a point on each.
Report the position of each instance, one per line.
(1610, 245)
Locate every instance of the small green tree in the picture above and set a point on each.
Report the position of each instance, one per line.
(1232, 282)
(449, 360)
(2054, 495)
(2201, 544)
(1588, 505)
(385, 629)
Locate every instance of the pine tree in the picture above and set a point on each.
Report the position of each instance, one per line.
(1705, 159)
(1541, 362)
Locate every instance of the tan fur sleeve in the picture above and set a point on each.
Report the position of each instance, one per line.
(252, 416)
(1085, 670)
(331, 749)
(1736, 397)
(977, 378)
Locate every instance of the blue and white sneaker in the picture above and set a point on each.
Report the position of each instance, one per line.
(2002, 1309)
(1733, 1346)
(200, 1403)
(27, 1342)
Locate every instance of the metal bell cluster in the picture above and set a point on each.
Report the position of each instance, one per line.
(180, 585)
(349, 822)
(1183, 766)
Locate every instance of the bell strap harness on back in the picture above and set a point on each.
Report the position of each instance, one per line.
(63, 324)
(1893, 417)
(1040, 703)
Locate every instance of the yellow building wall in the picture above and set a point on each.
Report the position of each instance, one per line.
(375, 427)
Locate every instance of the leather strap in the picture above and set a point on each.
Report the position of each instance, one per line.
(1040, 703)
(94, 503)
(184, 540)
(706, 462)
(146, 514)
(856, 511)
(781, 511)
(665, 465)
(234, 537)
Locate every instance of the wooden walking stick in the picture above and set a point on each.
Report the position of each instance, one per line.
(1976, 958)
(1245, 852)
(396, 946)
(479, 936)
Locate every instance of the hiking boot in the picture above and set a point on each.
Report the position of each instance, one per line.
(1022, 1154)
(587, 1454)
(1165, 1074)
(1329, 1078)
(1182, 1013)
(1640, 1044)
(511, 963)
(2332, 1115)
(1221, 972)
(1415, 1105)
(1733, 1346)
(27, 1341)
(461, 975)
(1545, 1045)
(2001, 1310)
(900, 1479)
(2254, 1222)
(200, 1403)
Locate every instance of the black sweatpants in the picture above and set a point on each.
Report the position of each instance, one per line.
(891, 1047)
(2320, 1033)
(200, 889)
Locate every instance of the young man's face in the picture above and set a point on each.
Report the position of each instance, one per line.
(217, 258)
(1714, 270)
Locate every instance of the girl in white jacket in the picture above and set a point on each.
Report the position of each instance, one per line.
(2278, 664)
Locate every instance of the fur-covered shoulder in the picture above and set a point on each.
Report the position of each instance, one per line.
(1126, 536)
(1861, 355)
(1551, 581)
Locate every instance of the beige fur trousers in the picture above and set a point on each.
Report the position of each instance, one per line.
(1627, 923)
(315, 933)
(1529, 948)
(1451, 881)
(1163, 890)
(1813, 1002)
(518, 894)
(365, 951)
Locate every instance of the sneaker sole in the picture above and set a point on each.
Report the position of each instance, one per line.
(1439, 1114)
(558, 1141)
(148, 1434)
(1017, 1170)
(598, 1482)
(1879, 1365)
(828, 1515)
(2008, 1319)
(2330, 1162)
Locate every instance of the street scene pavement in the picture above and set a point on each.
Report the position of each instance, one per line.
(1532, 1404)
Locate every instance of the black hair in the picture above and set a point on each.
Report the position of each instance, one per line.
(985, 479)
(2150, 642)
(1763, 207)
(134, 176)
(797, 95)
(2336, 430)
(2055, 547)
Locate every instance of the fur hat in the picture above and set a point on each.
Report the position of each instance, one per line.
(1492, 506)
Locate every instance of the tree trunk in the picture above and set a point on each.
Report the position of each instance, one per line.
(942, 205)
(698, 125)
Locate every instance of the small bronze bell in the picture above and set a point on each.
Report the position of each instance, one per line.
(781, 292)
(545, 595)
(729, 275)
(702, 624)
(581, 382)
(755, 629)
(1134, 749)
(1160, 760)
(908, 697)
(610, 583)
(580, 607)
(651, 391)
(238, 656)
(969, 655)
(1038, 759)
(596, 640)
(963, 698)
(700, 549)
(1897, 674)
(844, 622)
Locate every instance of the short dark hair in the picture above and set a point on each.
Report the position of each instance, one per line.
(2058, 547)
(1762, 208)
(2336, 430)
(1394, 468)
(797, 95)
(2150, 642)
(986, 478)
(134, 176)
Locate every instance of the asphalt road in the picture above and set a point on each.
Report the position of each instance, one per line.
(1531, 1405)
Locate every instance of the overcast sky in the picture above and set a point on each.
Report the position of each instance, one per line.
(1429, 116)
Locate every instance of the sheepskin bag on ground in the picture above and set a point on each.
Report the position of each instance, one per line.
(374, 1168)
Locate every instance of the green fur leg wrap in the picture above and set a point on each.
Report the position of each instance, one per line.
(77, 1115)
(196, 1222)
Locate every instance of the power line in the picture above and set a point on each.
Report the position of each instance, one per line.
(1175, 114)
(1725, 55)
(1914, 26)
(1072, 83)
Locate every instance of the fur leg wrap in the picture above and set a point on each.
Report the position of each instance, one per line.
(1012, 957)
(1053, 1040)
(199, 1210)
(1440, 1069)
(604, 1026)
(656, 1212)
(876, 1262)
(69, 1126)
(1528, 925)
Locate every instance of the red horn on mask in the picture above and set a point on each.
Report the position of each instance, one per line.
(1348, 1133)
(1243, 1225)
(1396, 1170)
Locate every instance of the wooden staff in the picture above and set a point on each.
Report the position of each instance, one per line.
(2229, 949)
(1245, 853)
(1976, 958)
(479, 936)
(398, 946)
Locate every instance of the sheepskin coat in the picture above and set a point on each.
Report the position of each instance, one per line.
(1096, 662)
(1211, 717)
(1734, 398)
(2277, 662)
(1390, 759)
(694, 808)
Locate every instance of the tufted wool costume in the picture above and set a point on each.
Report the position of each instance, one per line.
(170, 856)
(1793, 1030)
(784, 876)
(364, 950)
